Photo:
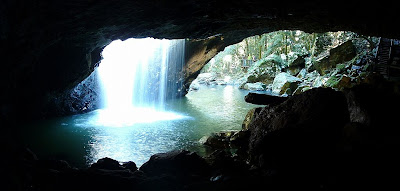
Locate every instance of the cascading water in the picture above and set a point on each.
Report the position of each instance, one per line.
(137, 76)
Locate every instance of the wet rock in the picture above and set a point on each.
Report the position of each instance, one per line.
(82, 98)
(220, 140)
(215, 140)
(284, 81)
(264, 99)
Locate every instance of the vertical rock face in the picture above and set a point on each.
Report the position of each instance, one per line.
(84, 97)
(198, 53)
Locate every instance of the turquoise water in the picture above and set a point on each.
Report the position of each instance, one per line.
(83, 139)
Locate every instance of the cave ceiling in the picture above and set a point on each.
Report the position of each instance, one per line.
(93, 23)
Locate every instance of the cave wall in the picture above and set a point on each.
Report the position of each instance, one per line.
(197, 54)
(50, 46)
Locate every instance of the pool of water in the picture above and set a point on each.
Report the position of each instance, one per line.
(83, 139)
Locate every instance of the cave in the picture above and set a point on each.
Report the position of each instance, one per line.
(49, 47)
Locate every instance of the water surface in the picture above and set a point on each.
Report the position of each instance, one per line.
(83, 139)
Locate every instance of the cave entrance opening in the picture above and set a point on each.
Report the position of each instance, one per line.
(290, 62)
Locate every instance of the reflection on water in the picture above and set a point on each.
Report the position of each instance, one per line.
(138, 134)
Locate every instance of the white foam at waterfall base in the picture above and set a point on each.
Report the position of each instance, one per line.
(131, 116)
(134, 78)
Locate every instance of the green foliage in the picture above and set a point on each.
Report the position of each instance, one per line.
(276, 50)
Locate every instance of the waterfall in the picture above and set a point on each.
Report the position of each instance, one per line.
(138, 76)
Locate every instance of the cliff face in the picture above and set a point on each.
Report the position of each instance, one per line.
(50, 46)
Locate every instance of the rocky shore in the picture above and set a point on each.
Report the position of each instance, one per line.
(337, 64)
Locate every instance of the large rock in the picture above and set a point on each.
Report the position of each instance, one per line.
(106, 164)
(258, 86)
(300, 133)
(175, 163)
(219, 140)
(296, 63)
(263, 99)
(339, 82)
(340, 54)
(265, 69)
(284, 81)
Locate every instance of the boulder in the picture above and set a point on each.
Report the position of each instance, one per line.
(339, 82)
(106, 164)
(258, 86)
(260, 76)
(295, 64)
(231, 140)
(342, 53)
(284, 81)
(263, 99)
(301, 133)
(130, 165)
(219, 140)
(179, 163)
(265, 69)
